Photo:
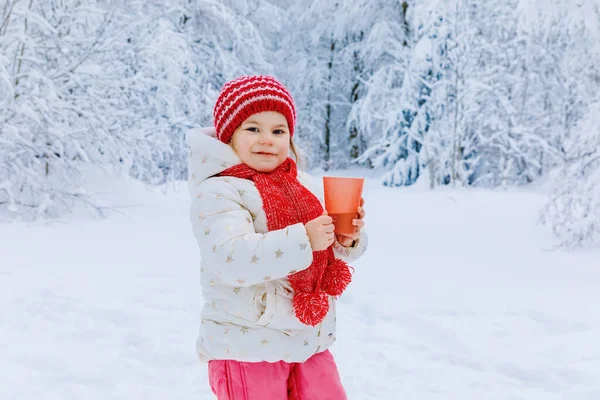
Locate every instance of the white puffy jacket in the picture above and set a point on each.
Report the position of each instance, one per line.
(248, 313)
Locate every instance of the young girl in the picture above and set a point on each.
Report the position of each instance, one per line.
(272, 266)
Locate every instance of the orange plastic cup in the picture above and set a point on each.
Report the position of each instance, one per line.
(342, 198)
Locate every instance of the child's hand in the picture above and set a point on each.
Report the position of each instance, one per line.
(320, 232)
(347, 240)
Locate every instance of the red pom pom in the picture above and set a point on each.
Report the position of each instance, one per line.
(336, 278)
(311, 308)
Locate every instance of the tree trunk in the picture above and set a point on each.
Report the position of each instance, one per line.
(19, 57)
(327, 138)
(353, 136)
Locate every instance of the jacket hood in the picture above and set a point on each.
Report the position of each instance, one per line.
(208, 155)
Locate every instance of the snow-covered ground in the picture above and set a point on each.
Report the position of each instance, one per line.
(460, 296)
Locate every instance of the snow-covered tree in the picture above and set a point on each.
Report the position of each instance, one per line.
(574, 207)
(474, 88)
(308, 55)
(570, 35)
(107, 84)
(328, 59)
(407, 95)
(464, 92)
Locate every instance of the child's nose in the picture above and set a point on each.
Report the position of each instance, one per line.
(265, 138)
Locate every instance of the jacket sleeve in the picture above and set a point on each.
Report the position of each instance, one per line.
(229, 245)
(352, 253)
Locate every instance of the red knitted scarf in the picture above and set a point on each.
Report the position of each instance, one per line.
(287, 202)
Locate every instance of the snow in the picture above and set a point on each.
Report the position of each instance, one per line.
(459, 296)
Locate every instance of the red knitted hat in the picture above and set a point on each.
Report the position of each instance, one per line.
(247, 95)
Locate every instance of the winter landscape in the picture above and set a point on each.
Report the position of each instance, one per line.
(460, 296)
(475, 123)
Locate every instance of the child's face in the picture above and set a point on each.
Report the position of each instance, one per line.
(262, 141)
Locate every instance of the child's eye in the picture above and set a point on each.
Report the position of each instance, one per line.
(252, 129)
(278, 131)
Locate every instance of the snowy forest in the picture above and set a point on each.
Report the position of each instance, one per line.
(491, 94)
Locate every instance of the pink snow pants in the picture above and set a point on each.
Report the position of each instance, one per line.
(315, 379)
